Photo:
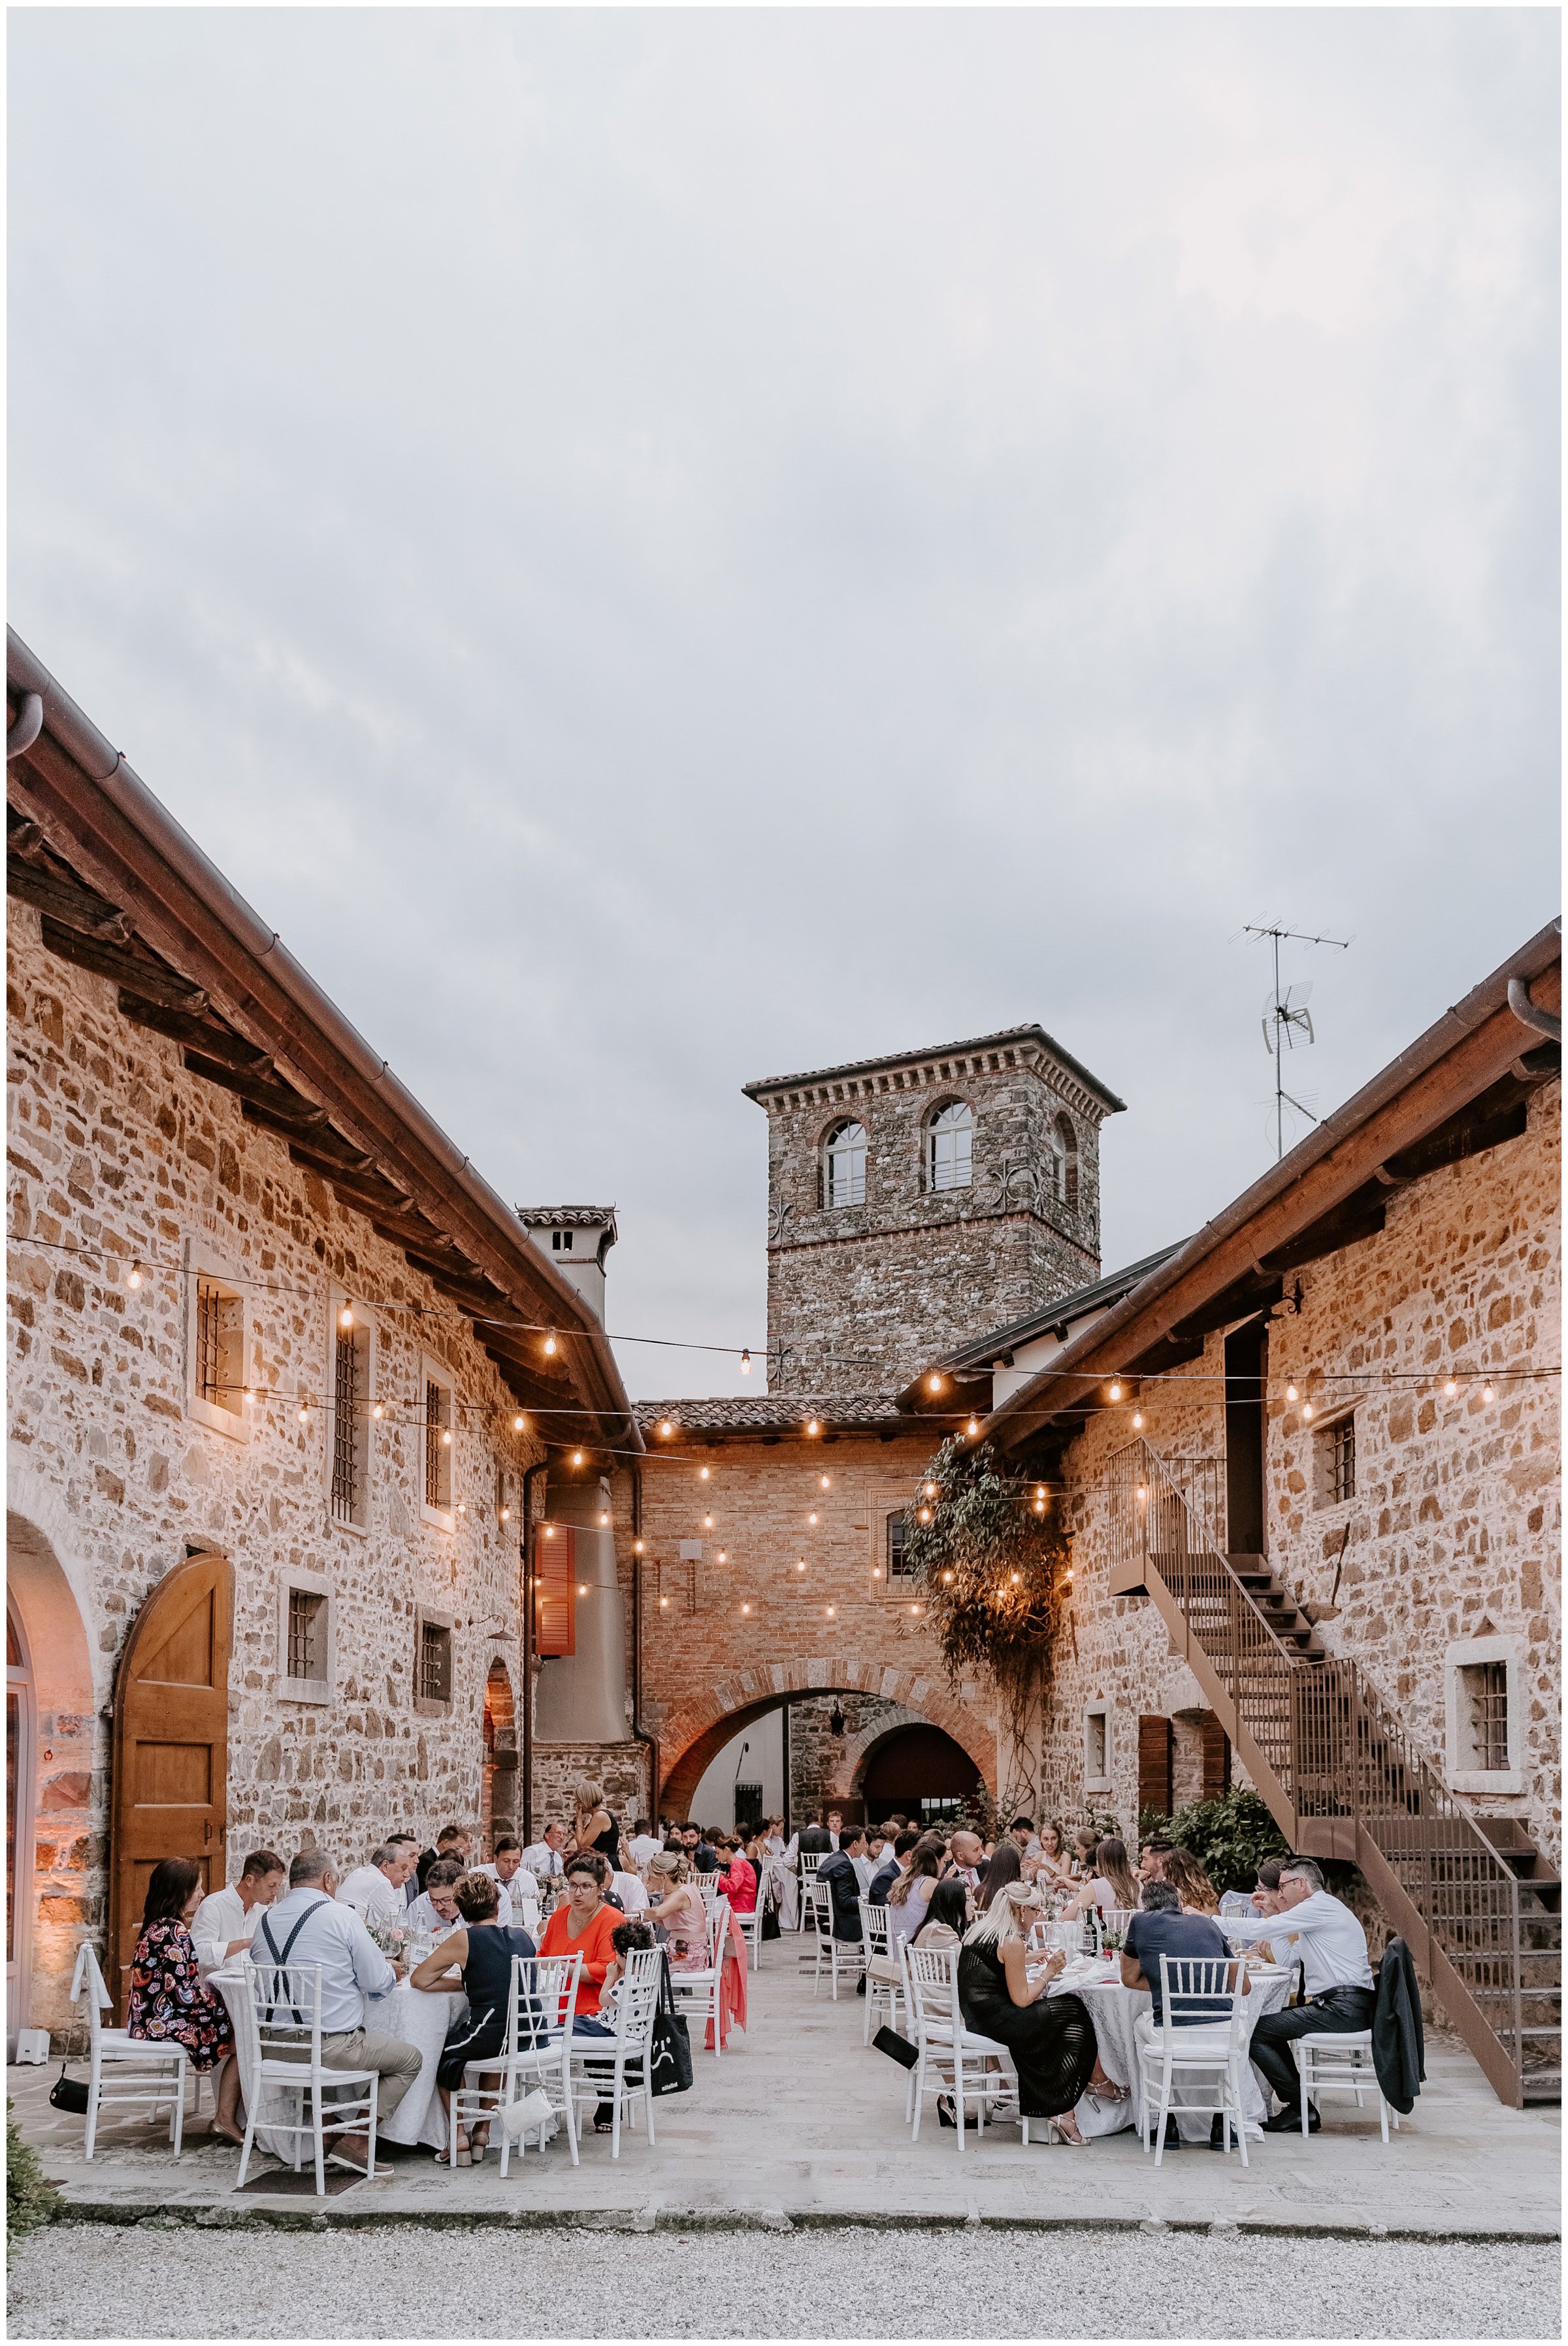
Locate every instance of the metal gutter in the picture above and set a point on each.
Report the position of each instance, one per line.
(185, 906)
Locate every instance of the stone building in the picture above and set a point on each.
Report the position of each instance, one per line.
(281, 1401)
(914, 1200)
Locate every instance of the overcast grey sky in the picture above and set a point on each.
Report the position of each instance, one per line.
(659, 548)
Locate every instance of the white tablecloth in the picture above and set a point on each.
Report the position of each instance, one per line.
(1115, 2009)
(409, 2013)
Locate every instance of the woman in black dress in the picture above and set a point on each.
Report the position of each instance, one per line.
(482, 1951)
(597, 1829)
(1051, 2039)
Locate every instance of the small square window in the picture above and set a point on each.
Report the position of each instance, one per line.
(1484, 1718)
(438, 1414)
(433, 1681)
(217, 1349)
(307, 1634)
(304, 1639)
(1334, 1462)
(1094, 1746)
(349, 1448)
(900, 1569)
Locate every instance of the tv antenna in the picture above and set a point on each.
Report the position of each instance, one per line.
(1286, 1021)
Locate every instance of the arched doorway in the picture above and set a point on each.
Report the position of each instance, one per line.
(21, 1743)
(919, 1772)
(171, 1785)
(498, 1788)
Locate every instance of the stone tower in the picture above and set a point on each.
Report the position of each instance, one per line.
(915, 1202)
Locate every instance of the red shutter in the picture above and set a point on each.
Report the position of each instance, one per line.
(555, 1590)
(1154, 1764)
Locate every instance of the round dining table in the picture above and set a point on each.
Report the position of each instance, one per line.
(416, 2017)
(1115, 2011)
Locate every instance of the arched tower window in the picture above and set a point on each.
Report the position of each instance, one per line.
(950, 1147)
(844, 1166)
(1064, 1163)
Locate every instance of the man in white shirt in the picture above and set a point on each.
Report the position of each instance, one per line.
(1335, 1974)
(644, 1845)
(628, 1887)
(227, 1919)
(543, 1858)
(376, 1887)
(311, 1924)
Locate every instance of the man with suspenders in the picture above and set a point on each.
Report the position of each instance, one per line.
(308, 1926)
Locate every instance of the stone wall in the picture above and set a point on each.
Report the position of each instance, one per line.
(1455, 1521)
(824, 1767)
(863, 1296)
(116, 1473)
(620, 1770)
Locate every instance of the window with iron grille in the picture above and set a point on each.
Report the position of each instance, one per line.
(350, 1428)
(434, 1679)
(899, 1565)
(1484, 1686)
(1334, 1460)
(307, 1635)
(220, 1346)
(437, 1444)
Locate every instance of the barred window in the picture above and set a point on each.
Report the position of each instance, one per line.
(307, 1635)
(220, 1346)
(1335, 1456)
(1484, 1687)
(899, 1565)
(350, 1428)
(433, 1677)
(437, 1444)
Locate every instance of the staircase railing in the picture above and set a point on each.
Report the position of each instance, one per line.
(1321, 1745)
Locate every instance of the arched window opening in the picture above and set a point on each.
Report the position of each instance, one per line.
(844, 1166)
(1064, 1163)
(950, 1147)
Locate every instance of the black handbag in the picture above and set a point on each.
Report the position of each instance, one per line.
(897, 2048)
(669, 2048)
(69, 2093)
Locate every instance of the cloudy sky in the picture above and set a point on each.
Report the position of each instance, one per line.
(660, 548)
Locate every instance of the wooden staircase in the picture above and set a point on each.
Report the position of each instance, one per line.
(1479, 1907)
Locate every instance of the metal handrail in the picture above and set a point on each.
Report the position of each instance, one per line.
(1333, 1745)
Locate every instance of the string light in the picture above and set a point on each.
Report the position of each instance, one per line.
(506, 1515)
(722, 1558)
(826, 1484)
(549, 1344)
(1116, 1388)
(746, 1364)
(925, 1514)
(304, 1411)
(947, 1576)
(637, 1546)
(576, 1457)
(1306, 1409)
(1487, 1393)
(377, 1410)
(933, 1384)
(602, 1522)
(914, 1609)
(133, 1276)
(1137, 1421)
(662, 1602)
(1450, 1388)
(813, 1427)
(1291, 1394)
(581, 1587)
(519, 1424)
(1040, 1490)
(875, 1572)
(810, 1519)
(667, 1429)
(800, 1566)
(973, 1428)
(746, 1609)
(463, 1506)
(345, 1317)
(1039, 1506)
(931, 1490)
(249, 1396)
(703, 1473)
(831, 1610)
(1017, 1576)
(707, 1523)
(549, 1530)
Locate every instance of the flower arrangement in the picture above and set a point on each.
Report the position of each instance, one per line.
(390, 1937)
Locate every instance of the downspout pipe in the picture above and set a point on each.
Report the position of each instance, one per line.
(1530, 1014)
(22, 730)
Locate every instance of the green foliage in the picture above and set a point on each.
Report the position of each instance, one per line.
(29, 2199)
(986, 1561)
(1229, 1837)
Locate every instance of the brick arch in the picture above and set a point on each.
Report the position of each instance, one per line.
(701, 1724)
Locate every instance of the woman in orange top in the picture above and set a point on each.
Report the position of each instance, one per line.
(585, 1925)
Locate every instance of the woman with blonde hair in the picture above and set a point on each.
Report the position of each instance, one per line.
(1190, 1882)
(676, 1911)
(596, 1828)
(1051, 2039)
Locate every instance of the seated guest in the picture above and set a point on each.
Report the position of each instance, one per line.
(376, 1887)
(1161, 1928)
(736, 1878)
(543, 1857)
(1336, 1976)
(226, 1918)
(967, 1852)
(481, 1948)
(947, 1915)
(1113, 1886)
(585, 1924)
(316, 1928)
(677, 1911)
(644, 1845)
(169, 2003)
(1152, 1864)
(839, 1872)
(892, 1866)
(1004, 1870)
(1085, 1841)
(627, 1888)
(1051, 2039)
(911, 1894)
(451, 1840)
(1191, 1883)
(704, 1851)
(410, 1841)
(435, 1910)
(1022, 1830)
(1263, 1899)
(1053, 1870)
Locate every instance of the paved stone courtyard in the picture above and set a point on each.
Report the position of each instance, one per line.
(799, 2123)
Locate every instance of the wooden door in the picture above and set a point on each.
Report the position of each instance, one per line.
(171, 1745)
(1155, 1769)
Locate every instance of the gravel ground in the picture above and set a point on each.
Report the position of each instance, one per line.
(102, 2281)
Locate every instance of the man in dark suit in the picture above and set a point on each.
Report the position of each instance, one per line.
(839, 1872)
(815, 1841)
(892, 1866)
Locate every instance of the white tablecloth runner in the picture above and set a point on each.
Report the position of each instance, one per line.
(1115, 2009)
(409, 2013)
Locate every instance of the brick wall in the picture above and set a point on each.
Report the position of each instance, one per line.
(112, 1475)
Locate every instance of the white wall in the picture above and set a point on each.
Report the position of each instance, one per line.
(713, 1803)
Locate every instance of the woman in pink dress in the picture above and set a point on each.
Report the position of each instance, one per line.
(676, 1911)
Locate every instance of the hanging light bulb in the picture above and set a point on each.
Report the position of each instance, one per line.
(831, 1610)
(133, 1276)
(603, 1520)
(746, 1364)
(947, 1576)
(463, 1506)
(973, 1428)
(813, 1427)
(345, 1317)
(1068, 1574)
(933, 1384)
(1487, 1393)
(914, 1609)
(304, 1411)
(1143, 1491)
(581, 1587)
(703, 1473)
(667, 1429)
(377, 1410)
(1039, 1506)
(519, 1423)
(1450, 1387)
(925, 1514)
(810, 1519)
(662, 1602)
(1306, 1409)
(249, 1394)
(826, 1484)
(550, 1343)
(506, 1515)
(549, 1531)
(1040, 1490)
(931, 1490)
(746, 1609)
(723, 1558)
(447, 1439)
(1291, 1394)
(707, 1523)
(1017, 1576)
(875, 1572)
(1116, 1388)
(1137, 1421)
(800, 1566)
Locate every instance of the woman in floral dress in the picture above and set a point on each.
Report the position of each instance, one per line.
(169, 2000)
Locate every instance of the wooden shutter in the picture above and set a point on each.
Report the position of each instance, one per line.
(1154, 1764)
(554, 1591)
(171, 1746)
(1215, 1757)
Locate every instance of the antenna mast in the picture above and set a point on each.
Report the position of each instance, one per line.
(1286, 1019)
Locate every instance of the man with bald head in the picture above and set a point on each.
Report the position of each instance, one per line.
(967, 1852)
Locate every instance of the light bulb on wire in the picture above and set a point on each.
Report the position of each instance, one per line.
(1116, 1388)
(746, 1364)
(346, 1317)
(1487, 1393)
(549, 1344)
(377, 1410)
(1450, 1387)
(1291, 1394)
(133, 1276)
(519, 1423)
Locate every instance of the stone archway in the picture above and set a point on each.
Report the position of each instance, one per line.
(498, 1786)
(699, 1726)
(59, 1845)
